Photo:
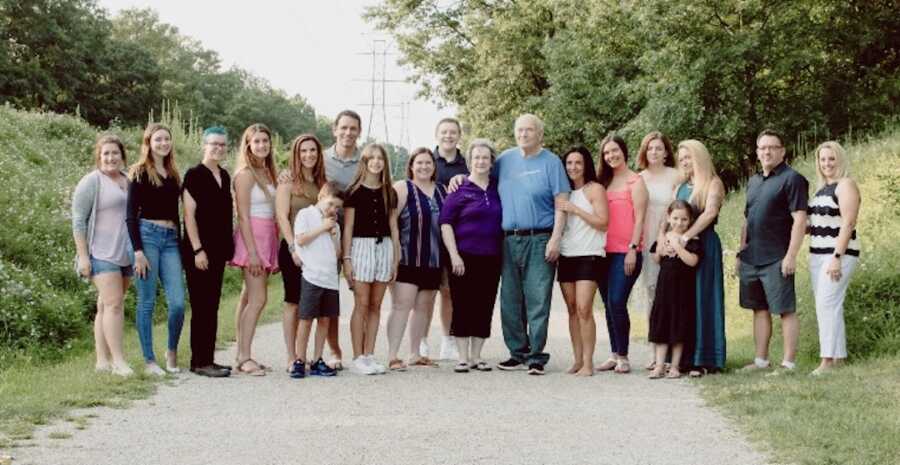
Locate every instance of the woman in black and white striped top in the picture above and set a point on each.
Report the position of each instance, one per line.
(834, 248)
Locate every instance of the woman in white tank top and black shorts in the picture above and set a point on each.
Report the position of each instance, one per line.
(582, 254)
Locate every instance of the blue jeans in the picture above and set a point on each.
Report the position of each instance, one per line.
(527, 283)
(615, 292)
(161, 250)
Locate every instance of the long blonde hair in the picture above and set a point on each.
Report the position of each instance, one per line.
(839, 154)
(145, 164)
(703, 172)
(369, 152)
(246, 159)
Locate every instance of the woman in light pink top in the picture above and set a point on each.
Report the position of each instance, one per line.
(103, 248)
(627, 198)
(656, 159)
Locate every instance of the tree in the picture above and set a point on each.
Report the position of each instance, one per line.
(58, 56)
(716, 71)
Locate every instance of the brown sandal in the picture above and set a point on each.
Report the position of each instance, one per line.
(257, 370)
(396, 365)
(423, 362)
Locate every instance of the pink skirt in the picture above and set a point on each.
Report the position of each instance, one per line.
(265, 234)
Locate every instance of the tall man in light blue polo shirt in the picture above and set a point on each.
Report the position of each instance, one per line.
(531, 179)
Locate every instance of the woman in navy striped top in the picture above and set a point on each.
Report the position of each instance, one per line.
(419, 202)
(834, 248)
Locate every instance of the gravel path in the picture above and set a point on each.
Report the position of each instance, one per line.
(423, 416)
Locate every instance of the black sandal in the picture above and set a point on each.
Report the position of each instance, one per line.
(480, 366)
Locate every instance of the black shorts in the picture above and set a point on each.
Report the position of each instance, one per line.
(584, 268)
(424, 278)
(290, 274)
(316, 302)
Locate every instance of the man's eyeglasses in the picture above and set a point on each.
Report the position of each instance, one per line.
(218, 145)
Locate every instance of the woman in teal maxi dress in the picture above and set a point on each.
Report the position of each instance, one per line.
(709, 347)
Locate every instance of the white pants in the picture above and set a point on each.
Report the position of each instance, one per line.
(829, 296)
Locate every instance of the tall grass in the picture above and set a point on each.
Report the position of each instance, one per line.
(45, 309)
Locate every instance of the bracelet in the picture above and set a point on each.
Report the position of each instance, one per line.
(291, 248)
(197, 251)
(347, 258)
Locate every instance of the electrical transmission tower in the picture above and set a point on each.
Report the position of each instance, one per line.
(378, 81)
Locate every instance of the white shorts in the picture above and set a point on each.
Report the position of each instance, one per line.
(372, 259)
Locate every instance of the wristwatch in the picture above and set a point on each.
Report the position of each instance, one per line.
(197, 251)
(291, 248)
(632, 246)
(837, 254)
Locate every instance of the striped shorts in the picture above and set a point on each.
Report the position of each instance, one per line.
(372, 260)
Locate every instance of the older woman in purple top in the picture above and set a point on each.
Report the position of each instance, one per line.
(471, 229)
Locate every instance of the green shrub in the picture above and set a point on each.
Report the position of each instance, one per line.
(44, 306)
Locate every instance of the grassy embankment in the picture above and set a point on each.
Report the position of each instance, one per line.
(46, 346)
(850, 416)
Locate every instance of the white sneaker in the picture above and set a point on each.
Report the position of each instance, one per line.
(379, 368)
(361, 366)
(449, 351)
(423, 347)
(154, 369)
(122, 370)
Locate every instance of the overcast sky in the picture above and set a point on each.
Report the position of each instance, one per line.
(314, 48)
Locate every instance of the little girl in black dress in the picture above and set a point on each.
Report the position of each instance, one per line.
(673, 314)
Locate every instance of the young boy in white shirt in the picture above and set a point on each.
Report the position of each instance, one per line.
(317, 240)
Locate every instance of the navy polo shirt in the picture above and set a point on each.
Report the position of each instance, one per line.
(446, 170)
(770, 201)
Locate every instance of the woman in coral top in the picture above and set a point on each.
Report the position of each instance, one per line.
(626, 196)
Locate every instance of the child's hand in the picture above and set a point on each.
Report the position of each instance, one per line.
(673, 239)
(668, 250)
(329, 223)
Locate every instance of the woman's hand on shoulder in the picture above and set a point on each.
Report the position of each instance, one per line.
(285, 177)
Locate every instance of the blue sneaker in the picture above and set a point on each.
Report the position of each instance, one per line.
(320, 368)
(298, 369)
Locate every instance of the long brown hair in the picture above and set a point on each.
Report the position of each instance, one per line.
(296, 166)
(246, 159)
(145, 165)
(104, 139)
(369, 152)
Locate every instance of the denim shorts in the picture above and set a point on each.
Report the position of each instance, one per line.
(103, 266)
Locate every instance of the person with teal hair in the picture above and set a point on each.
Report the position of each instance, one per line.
(206, 247)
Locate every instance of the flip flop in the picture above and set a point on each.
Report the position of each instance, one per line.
(608, 365)
(256, 371)
(673, 374)
(396, 365)
(423, 362)
(698, 373)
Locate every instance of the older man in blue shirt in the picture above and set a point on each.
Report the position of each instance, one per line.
(531, 180)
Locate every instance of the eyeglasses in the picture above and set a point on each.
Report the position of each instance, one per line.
(218, 145)
(770, 148)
